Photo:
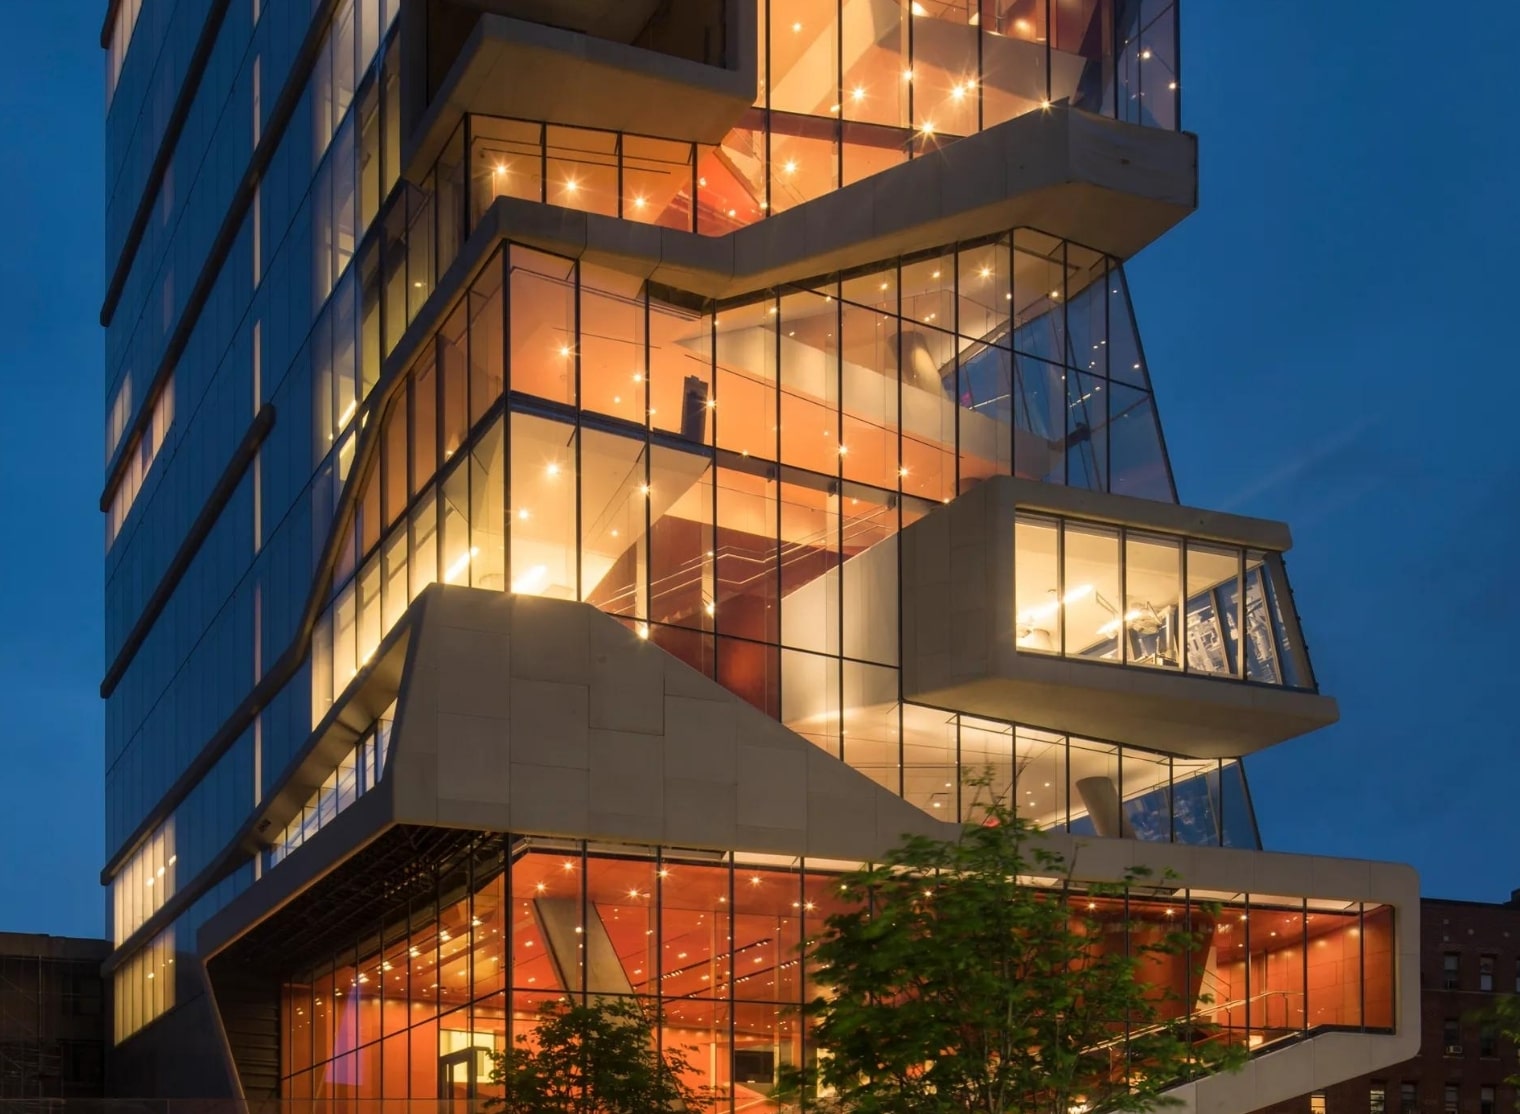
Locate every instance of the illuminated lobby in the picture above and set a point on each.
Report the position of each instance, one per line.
(690, 441)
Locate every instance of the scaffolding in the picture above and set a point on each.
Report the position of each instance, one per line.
(29, 1051)
(52, 1018)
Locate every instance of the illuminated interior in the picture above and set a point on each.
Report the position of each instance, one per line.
(731, 482)
(414, 1003)
(1181, 607)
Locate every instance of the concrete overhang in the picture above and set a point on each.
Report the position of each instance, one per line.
(525, 70)
(373, 689)
(549, 718)
(543, 717)
(1110, 186)
(960, 647)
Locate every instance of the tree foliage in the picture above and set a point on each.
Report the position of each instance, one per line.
(1505, 1013)
(956, 985)
(597, 1057)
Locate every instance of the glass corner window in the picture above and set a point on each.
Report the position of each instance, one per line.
(1140, 598)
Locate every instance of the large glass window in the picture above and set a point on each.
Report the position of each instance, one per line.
(729, 479)
(542, 508)
(612, 350)
(144, 882)
(138, 460)
(542, 349)
(615, 497)
(717, 946)
(1154, 600)
(145, 985)
(357, 772)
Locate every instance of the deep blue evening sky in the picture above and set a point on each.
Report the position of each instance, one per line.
(1329, 343)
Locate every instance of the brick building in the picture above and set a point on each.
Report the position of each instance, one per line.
(1469, 954)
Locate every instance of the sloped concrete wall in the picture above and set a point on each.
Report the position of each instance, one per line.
(548, 717)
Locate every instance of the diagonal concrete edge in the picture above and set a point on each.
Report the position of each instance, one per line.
(549, 717)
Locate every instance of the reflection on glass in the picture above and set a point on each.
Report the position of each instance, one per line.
(542, 507)
(870, 710)
(810, 696)
(871, 719)
(746, 379)
(720, 945)
(504, 161)
(804, 160)
(1147, 805)
(1195, 801)
(1153, 595)
(488, 500)
(1117, 792)
(931, 759)
(681, 396)
(810, 373)
(868, 525)
(747, 582)
(542, 299)
(612, 343)
(1043, 778)
(989, 750)
(581, 169)
(1015, 59)
(1138, 457)
(1037, 584)
(615, 493)
(658, 178)
(682, 589)
(1261, 641)
(1238, 820)
(1091, 591)
(731, 178)
(1096, 790)
(874, 52)
(1156, 592)
(1210, 624)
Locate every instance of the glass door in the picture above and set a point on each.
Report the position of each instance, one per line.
(459, 1077)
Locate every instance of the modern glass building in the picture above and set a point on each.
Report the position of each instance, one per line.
(581, 475)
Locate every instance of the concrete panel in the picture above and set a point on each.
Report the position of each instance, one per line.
(682, 680)
(1346, 878)
(549, 723)
(515, 68)
(701, 739)
(701, 813)
(841, 825)
(550, 799)
(773, 789)
(960, 647)
(627, 774)
(473, 669)
(627, 689)
(560, 639)
(472, 764)
(910, 207)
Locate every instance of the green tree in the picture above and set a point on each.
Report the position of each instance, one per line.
(955, 985)
(1505, 1013)
(594, 1058)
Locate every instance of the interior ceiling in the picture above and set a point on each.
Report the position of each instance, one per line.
(402, 864)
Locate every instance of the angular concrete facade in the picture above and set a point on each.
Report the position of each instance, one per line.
(662, 449)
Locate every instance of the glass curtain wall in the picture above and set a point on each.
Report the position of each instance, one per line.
(1115, 594)
(1062, 782)
(411, 1006)
(730, 481)
(848, 88)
